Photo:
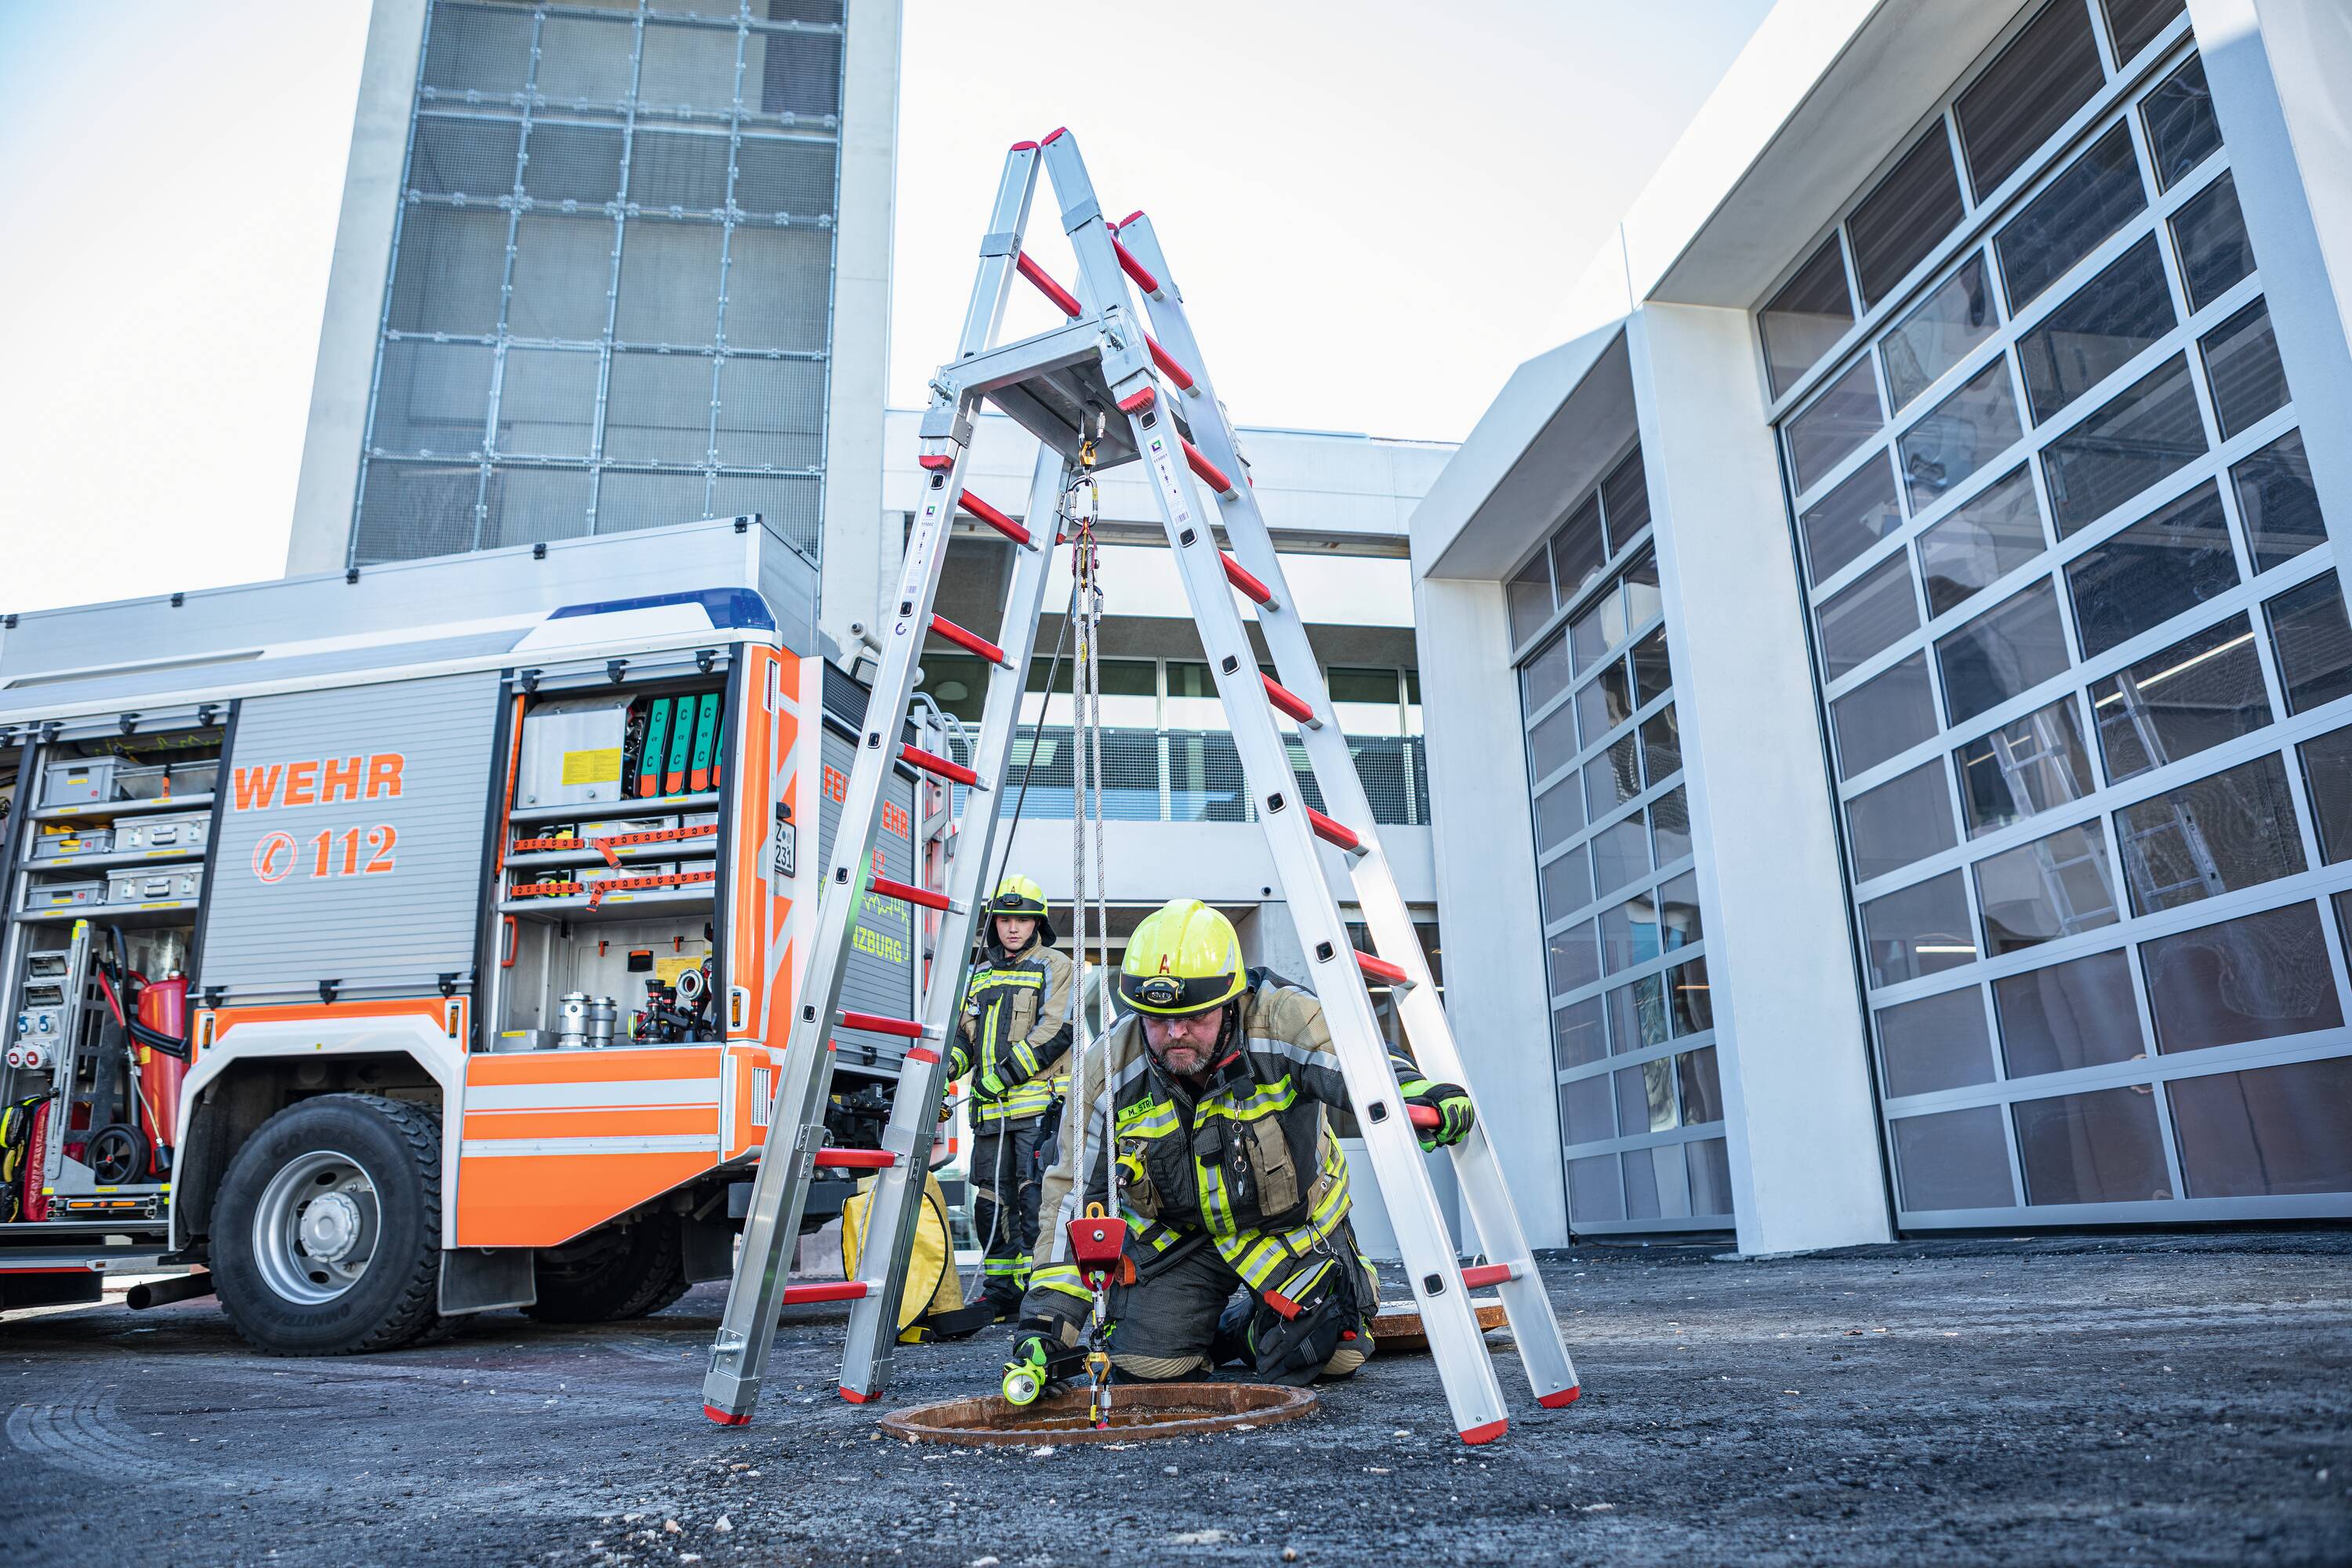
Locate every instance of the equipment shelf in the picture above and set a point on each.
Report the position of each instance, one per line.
(126, 857)
(174, 912)
(109, 809)
(637, 806)
(613, 906)
(676, 849)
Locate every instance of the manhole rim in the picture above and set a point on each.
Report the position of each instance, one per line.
(1285, 1403)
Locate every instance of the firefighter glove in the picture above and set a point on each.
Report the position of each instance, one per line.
(990, 1084)
(1452, 1103)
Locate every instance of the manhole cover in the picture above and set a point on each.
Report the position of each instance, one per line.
(1140, 1412)
(1397, 1326)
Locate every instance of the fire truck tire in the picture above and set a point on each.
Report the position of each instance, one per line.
(625, 1269)
(327, 1232)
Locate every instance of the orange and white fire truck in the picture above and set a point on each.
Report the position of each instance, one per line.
(404, 943)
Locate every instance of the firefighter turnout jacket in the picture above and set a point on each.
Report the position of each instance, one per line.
(1249, 1162)
(1016, 1031)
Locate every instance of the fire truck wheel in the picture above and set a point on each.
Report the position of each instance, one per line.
(625, 1269)
(326, 1233)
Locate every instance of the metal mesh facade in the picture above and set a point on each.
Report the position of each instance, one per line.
(611, 291)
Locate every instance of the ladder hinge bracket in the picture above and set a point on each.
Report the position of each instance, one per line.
(1004, 242)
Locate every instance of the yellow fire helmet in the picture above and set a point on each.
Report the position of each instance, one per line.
(1018, 894)
(1184, 958)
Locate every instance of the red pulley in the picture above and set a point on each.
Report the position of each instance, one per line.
(1098, 1246)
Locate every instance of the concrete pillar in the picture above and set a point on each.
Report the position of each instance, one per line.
(329, 477)
(1484, 829)
(1800, 1120)
(860, 545)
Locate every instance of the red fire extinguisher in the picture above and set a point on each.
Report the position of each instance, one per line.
(162, 1012)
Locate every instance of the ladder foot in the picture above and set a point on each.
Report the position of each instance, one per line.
(726, 1417)
(854, 1398)
(1560, 1401)
(1474, 1436)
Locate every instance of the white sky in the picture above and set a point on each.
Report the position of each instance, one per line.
(1372, 206)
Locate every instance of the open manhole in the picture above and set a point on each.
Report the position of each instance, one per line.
(1138, 1413)
(1397, 1326)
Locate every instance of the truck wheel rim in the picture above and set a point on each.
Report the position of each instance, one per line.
(315, 1230)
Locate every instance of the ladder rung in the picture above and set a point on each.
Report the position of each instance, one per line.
(993, 518)
(855, 1159)
(1240, 578)
(941, 460)
(932, 762)
(906, 1029)
(1489, 1274)
(1289, 703)
(1209, 471)
(1062, 297)
(1141, 400)
(1167, 362)
(1382, 969)
(1332, 832)
(971, 642)
(827, 1291)
(1134, 268)
(908, 893)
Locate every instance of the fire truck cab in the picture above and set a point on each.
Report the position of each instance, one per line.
(405, 943)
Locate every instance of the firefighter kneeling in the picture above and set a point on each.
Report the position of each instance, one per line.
(1229, 1173)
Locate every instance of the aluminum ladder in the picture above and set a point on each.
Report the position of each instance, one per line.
(1120, 385)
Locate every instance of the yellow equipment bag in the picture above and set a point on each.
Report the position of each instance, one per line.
(932, 1288)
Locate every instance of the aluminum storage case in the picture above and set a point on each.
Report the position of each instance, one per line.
(144, 884)
(178, 830)
(163, 781)
(571, 752)
(65, 895)
(84, 782)
(57, 841)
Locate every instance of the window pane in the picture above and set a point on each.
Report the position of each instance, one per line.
(2050, 887)
(1596, 1189)
(1872, 615)
(1661, 745)
(1602, 703)
(2276, 499)
(1567, 884)
(1529, 595)
(1981, 542)
(1833, 424)
(1805, 318)
(2094, 196)
(1575, 958)
(2164, 566)
(1621, 854)
(2145, 433)
(1545, 674)
(2248, 979)
(2273, 1130)
(1669, 827)
(1905, 819)
(1626, 499)
(2134, 24)
(2050, 71)
(1643, 599)
(1652, 672)
(1956, 1160)
(2241, 363)
(2012, 648)
(2235, 829)
(1637, 1015)
(1629, 934)
(2078, 1014)
(1614, 776)
(1559, 812)
(1549, 744)
(1578, 1036)
(1887, 714)
(2210, 235)
(2327, 780)
(1851, 518)
(1966, 430)
(1657, 1184)
(1913, 206)
(1922, 929)
(1578, 549)
(1678, 917)
(1937, 1042)
(2100, 1148)
(2313, 643)
(2203, 690)
(1688, 1001)
(1938, 333)
(1702, 1089)
(1588, 1111)
(2181, 130)
(1601, 627)
(1710, 1176)
(2025, 767)
(2091, 336)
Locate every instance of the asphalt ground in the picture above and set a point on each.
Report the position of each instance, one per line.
(2151, 1399)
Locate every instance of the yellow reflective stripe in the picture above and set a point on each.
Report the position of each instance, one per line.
(1267, 1099)
(1062, 1277)
(995, 978)
(1216, 1206)
(1257, 1255)
(1026, 1058)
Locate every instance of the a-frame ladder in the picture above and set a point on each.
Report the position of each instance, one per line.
(1133, 386)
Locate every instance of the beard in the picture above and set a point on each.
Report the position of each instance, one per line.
(1184, 1058)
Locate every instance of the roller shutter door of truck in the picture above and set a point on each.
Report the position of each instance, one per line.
(880, 974)
(351, 845)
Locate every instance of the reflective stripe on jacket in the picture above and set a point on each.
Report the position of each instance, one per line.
(1016, 1021)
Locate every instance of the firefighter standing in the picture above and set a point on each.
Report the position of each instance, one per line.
(1015, 1033)
(1230, 1175)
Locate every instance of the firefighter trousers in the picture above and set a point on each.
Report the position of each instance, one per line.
(1005, 1177)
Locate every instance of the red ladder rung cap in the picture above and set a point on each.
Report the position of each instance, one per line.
(1240, 578)
(908, 893)
(1382, 969)
(971, 642)
(993, 518)
(1134, 268)
(1063, 298)
(1331, 831)
(932, 762)
(1129, 219)
(1423, 1115)
(1209, 471)
(826, 1291)
(1168, 366)
(937, 459)
(1288, 701)
(1486, 1274)
(1138, 402)
(906, 1029)
(855, 1159)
